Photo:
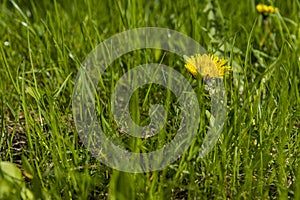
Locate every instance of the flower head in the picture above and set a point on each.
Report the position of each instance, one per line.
(208, 66)
(265, 10)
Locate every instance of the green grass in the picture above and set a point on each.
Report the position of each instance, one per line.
(43, 44)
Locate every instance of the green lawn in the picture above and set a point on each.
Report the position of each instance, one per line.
(42, 46)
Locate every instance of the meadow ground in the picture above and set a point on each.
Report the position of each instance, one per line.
(42, 46)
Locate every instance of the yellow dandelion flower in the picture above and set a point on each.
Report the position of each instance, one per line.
(265, 10)
(208, 66)
(260, 8)
(270, 9)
